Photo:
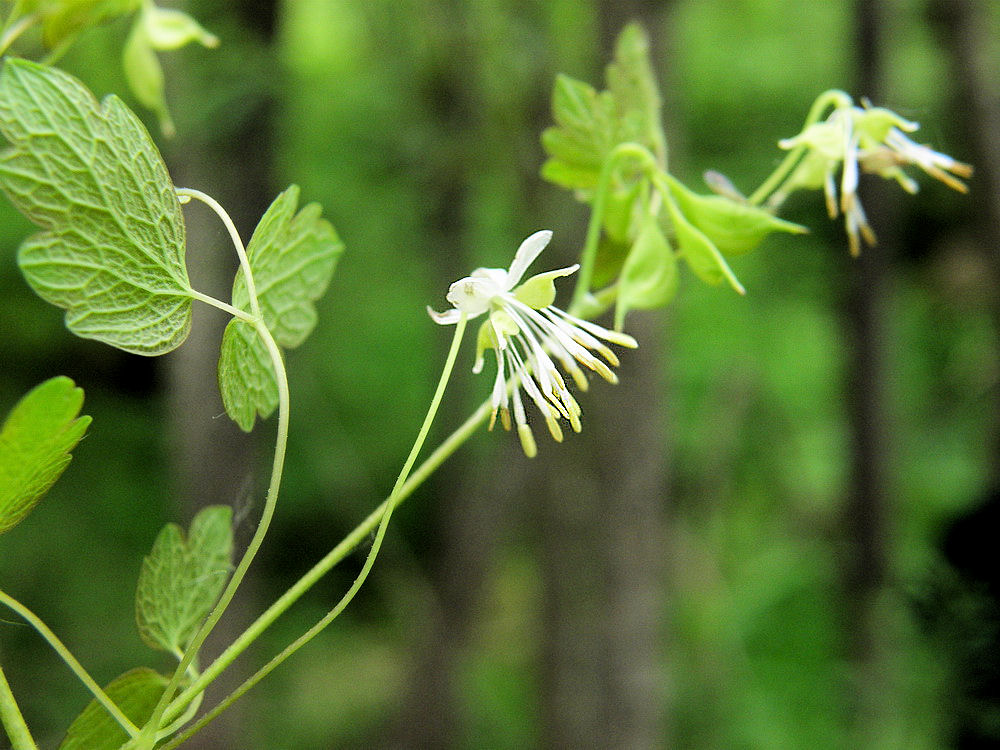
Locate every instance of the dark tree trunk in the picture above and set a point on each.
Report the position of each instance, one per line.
(602, 503)
(867, 506)
(212, 459)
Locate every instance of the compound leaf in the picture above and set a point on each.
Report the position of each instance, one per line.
(112, 249)
(182, 578)
(136, 693)
(35, 442)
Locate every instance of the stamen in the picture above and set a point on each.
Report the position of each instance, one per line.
(527, 440)
(554, 429)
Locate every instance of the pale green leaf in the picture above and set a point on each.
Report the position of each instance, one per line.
(112, 249)
(136, 693)
(182, 578)
(246, 375)
(145, 75)
(292, 257)
(633, 86)
(35, 443)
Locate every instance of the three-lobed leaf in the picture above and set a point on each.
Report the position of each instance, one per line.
(181, 579)
(136, 693)
(292, 257)
(589, 124)
(35, 444)
(112, 250)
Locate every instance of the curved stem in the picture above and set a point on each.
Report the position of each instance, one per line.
(149, 733)
(361, 532)
(218, 303)
(11, 719)
(588, 257)
(833, 97)
(64, 653)
(209, 201)
(385, 510)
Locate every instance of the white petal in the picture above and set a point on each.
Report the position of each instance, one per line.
(446, 318)
(526, 255)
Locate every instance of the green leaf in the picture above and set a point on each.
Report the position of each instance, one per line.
(292, 258)
(632, 84)
(168, 29)
(181, 579)
(246, 375)
(590, 124)
(35, 443)
(112, 253)
(733, 227)
(136, 693)
(584, 135)
(649, 276)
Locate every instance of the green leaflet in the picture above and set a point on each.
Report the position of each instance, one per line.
(35, 443)
(182, 578)
(292, 258)
(112, 249)
(135, 693)
(590, 124)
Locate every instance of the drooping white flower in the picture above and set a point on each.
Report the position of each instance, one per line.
(530, 336)
(868, 139)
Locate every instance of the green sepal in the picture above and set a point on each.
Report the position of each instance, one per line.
(620, 205)
(111, 249)
(168, 29)
(181, 579)
(733, 227)
(145, 75)
(649, 276)
(35, 444)
(700, 253)
(136, 693)
(540, 290)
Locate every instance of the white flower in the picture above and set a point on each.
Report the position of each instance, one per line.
(529, 335)
(869, 139)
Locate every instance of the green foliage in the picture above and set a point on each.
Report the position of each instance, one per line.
(182, 578)
(292, 258)
(63, 21)
(35, 445)
(589, 124)
(112, 253)
(135, 693)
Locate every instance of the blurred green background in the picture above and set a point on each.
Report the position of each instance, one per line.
(774, 533)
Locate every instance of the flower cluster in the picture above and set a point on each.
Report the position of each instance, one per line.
(869, 139)
(529, 336)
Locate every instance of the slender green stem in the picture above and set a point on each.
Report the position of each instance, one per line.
(588, 258)
(12, 720)
(385, 510)
(833, 97)
(157, 719)
(234, 235)
(71, 661)
(218, 303)
(361, 532)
